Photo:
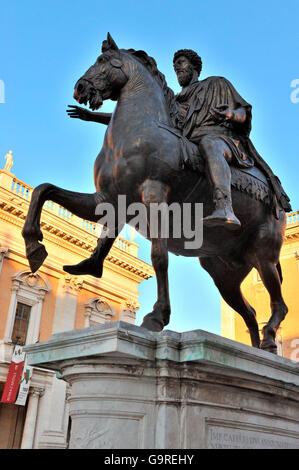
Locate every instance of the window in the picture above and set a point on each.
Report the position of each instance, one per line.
(20, 328)
(24, 314)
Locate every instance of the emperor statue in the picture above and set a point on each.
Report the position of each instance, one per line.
(211, 114)
(162, 148)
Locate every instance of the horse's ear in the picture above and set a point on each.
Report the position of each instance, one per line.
(109, 44)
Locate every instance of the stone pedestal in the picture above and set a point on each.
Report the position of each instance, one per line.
(6, 179)
(135, 389)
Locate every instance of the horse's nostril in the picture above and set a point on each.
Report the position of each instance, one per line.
(80, 88)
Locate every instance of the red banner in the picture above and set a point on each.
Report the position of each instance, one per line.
(14, 375)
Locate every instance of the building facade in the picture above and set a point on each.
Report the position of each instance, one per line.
(232, 324)
(35, 306)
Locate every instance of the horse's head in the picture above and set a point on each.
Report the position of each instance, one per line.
(104, 79)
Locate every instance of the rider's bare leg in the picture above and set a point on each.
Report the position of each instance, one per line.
(215, 152)
(93, 265)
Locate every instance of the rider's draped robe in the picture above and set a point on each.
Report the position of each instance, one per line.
(194, 118)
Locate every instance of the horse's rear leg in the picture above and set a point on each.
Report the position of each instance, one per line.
(271, 279)
(156, 192)
(80, 204)
(228, 282)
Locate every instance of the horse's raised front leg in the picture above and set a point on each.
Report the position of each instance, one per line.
(80, 204)
(156, 192)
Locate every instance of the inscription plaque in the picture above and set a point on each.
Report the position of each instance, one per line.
(224, 437)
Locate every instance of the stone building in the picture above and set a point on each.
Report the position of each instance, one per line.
(232, 324)
(35, 306)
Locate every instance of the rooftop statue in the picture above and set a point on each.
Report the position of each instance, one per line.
(9, 161)
(192, 147)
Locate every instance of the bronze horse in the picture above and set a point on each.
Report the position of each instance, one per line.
(142, 159)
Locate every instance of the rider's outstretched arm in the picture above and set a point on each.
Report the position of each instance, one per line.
(102, 118)
(86, 115)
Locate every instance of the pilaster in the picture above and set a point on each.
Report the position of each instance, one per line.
(30, 422)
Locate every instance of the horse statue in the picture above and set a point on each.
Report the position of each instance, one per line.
(143, 158)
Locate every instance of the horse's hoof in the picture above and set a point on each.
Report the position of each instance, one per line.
(152, 324)
(36, 257)
(269, 346)
(216, 222)
(85, 267)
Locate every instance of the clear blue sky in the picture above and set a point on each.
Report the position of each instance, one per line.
(47, 45)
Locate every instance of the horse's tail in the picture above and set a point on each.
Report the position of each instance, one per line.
(278, 267)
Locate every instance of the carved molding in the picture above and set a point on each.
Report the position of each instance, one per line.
(37, 392)
(31, 281)
(3, 251)
(98, 311)
(72, 285)
(93, 437)
(129, 308)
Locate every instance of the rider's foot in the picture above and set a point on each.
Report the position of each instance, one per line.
(223, 215)
(91, 266)
(222, 218)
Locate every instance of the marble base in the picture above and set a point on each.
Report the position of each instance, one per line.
(135, 389)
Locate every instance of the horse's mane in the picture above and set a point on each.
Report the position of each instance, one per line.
(151, 65)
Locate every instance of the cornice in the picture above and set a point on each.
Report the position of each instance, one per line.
(292, 236)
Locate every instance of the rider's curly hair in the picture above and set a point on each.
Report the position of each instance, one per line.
(194, 58)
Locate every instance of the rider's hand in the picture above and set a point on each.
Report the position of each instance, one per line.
(222, 113)
(79, 113)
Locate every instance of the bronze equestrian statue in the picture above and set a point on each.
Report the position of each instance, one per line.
(192, 147)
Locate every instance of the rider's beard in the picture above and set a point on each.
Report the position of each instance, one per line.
(185, 76)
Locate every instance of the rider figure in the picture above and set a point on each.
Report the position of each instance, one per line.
(211, 114)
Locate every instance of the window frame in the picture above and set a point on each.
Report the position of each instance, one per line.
(29, 289)
(21, 320)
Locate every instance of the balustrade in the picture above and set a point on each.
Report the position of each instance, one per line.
(293, 218)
